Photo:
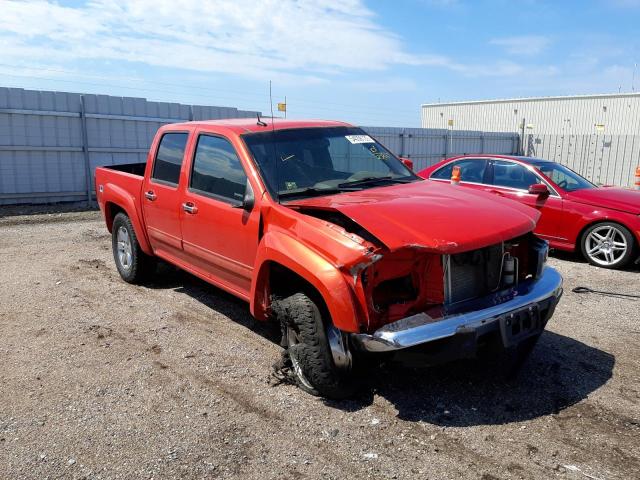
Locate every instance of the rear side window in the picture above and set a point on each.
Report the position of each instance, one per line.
(512, 175)
(217, 169)
(166, 167)
(471, 170)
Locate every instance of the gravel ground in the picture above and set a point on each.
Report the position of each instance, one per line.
(101, 379)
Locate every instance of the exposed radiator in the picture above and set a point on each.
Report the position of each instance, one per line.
(472, 274)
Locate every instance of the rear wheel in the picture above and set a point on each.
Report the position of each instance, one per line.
(317, 352)
(132, 263)
(607, 245)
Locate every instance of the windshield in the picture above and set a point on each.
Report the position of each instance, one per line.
(564, 177)
(318, 161)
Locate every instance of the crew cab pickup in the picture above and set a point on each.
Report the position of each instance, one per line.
(322, 229)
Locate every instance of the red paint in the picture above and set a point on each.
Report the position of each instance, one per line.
(430, 216)
(566, 215)
(237, 250)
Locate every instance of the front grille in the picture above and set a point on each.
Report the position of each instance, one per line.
(473, 274)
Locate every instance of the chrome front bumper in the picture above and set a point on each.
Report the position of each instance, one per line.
(422, 328)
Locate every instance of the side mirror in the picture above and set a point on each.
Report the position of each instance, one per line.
(539, 189)
(407, 163)
(249, 199)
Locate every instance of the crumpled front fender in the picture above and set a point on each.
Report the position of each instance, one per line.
(279, 247)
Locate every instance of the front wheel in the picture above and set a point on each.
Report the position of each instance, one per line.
(607, 245)
(320, 361)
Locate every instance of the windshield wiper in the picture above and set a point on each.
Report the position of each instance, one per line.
(368, 180)
(341, 187)
(308, 192)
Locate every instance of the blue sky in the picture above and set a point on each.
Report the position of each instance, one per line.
(364, 61)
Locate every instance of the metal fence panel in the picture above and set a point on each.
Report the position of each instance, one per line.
(426, 146)
(42, 145)
(602, 159)
(51, 142)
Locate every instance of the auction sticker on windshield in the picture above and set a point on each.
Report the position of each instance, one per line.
(359, 139)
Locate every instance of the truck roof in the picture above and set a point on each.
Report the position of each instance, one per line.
(250, 125)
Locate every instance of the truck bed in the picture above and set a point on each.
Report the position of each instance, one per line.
(132, 168)
(122, 184)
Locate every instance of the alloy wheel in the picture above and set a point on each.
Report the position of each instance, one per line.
(606, 245)
(125, 252)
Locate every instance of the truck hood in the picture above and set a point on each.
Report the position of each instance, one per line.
(430, 215)
(621, 199)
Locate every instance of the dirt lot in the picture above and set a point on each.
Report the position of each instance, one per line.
(101, 379)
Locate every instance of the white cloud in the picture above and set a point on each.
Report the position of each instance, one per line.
(522, 44)
(301, 41)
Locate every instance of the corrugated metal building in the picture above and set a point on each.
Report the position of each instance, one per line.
(610, 114)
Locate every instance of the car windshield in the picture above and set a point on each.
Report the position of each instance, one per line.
(564, 177)
(305, 162)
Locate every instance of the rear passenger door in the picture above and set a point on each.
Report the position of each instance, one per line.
(219, 236)
(473, 172)
(512, 180)
(161, 198)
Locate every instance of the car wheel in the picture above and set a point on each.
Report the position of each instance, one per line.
(607, 245)
(132, 263)
(317, 352)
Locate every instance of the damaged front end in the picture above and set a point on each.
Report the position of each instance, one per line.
(505, 288)
(421, 293)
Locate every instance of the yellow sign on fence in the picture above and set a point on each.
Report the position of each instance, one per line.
(282, 107)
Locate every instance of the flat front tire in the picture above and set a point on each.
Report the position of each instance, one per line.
(132, 263)
(306, 339)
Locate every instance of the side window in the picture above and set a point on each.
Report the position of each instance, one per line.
(471, 170)
(512, 175)
(561, 179)
(217, 169)
(166, 167)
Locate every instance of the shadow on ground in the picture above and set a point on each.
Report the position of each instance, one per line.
(560, 372)
(46, 208)
(169, 277)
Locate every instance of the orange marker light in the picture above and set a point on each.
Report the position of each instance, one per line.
(455, 175)
(638, 178)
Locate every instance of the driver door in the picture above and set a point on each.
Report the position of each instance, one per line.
(219, 235)
(512, 180)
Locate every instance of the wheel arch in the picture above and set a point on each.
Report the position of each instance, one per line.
(592, 222)
(119, 201)
(284, 263)
(111, 209)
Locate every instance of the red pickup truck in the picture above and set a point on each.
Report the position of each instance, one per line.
(321, 229)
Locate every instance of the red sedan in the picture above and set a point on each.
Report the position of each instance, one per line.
(601, 222)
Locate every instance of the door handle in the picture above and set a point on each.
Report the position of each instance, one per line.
(150, 195)
(190, 208)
